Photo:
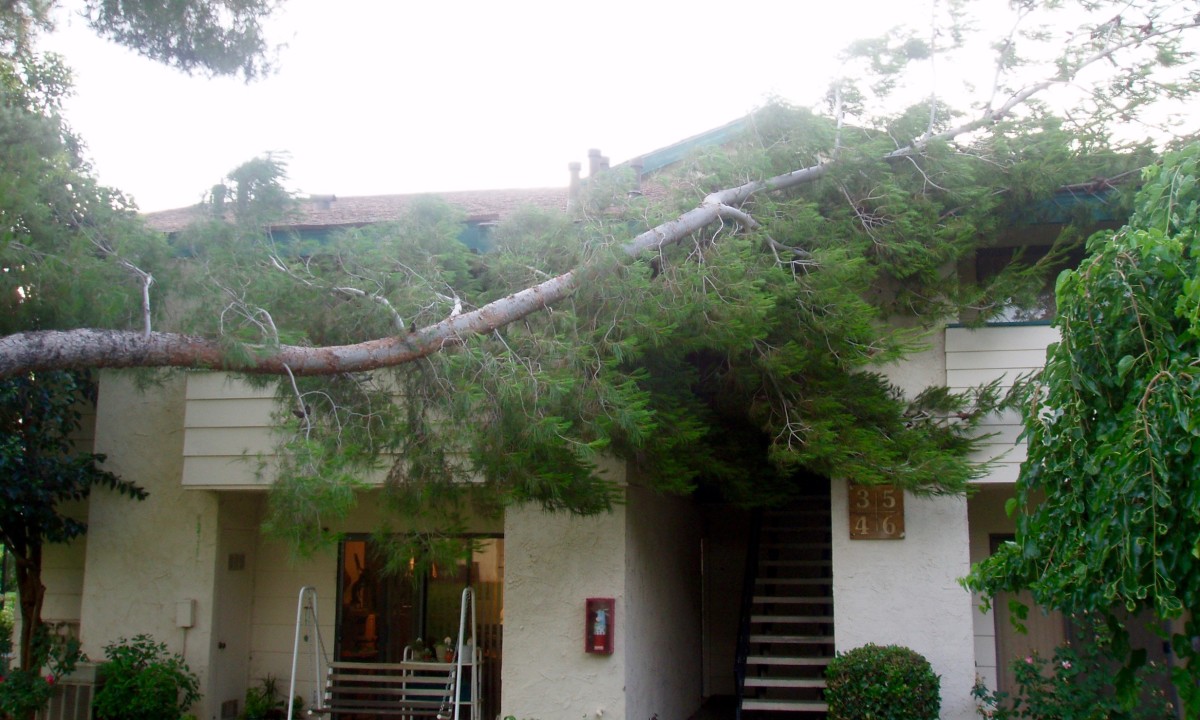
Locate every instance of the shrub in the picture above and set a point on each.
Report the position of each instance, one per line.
(142, 681)
(882, 683)
(24, 692)
(267, 703)
(1076, 685)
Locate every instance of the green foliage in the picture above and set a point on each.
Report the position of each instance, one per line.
(875, 682)
(26, 690)
(735, 363)
(214, 37)
(1076, 684)
(1108, 506)
(41, 470)
(143, 681)
(266, 703)
(7, 603)
(69, 248)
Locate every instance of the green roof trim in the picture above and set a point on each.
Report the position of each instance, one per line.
(671, 154)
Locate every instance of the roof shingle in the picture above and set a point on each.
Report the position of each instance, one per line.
(479, 205)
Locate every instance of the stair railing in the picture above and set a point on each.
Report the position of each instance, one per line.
(748, 584)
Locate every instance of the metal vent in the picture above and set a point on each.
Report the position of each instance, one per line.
(229, 709)
(237, 561)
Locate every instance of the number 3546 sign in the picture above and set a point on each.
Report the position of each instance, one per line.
(876, 512)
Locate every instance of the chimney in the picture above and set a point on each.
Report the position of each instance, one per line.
(594, 159)
(638, 165)
(603, 163)
(574, 185)
(322, 202)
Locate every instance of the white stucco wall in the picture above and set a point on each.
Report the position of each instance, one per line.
(553, 563)
(663, 622)
(277, 582)
(62, 573)
(145, 558)
(905, 592)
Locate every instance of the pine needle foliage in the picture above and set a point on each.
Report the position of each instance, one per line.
(736, 363)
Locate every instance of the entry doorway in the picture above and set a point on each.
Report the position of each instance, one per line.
(416, 604)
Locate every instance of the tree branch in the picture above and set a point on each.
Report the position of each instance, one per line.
(47, 350)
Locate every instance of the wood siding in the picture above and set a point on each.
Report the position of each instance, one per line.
(228, 432)
(975, 356)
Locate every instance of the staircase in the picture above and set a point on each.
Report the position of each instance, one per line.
(787, 632)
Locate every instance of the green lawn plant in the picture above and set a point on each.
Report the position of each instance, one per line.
(876, 682)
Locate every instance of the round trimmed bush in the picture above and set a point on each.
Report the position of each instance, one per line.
(882, 683)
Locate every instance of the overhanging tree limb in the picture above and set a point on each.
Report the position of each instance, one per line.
(95, 348)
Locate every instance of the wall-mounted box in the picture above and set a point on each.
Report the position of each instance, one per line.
(599, 625)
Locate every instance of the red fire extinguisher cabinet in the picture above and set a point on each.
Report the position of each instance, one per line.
(599, 625)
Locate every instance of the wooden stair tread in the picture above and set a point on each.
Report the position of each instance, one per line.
(814, 619)
(793, 600)
(784, 705)
(793, 639)
(770, 682)
(793, 661)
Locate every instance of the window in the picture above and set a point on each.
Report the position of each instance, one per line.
(416, 606)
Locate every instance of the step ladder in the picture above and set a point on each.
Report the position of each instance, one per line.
(412, 688)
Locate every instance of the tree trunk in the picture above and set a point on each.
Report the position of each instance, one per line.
(30, 594)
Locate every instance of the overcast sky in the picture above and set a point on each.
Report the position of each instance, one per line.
(377, 96)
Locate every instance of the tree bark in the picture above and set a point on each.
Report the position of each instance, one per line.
(31, 593)
(92, 348)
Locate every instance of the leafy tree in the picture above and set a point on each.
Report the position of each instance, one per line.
(1108, 509)
(73, 253)
(42, 471)
(212, 37)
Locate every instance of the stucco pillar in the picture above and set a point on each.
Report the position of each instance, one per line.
(553, 563)
(906, 592)
(146, 558)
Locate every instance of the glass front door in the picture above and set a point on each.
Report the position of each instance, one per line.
(416, 605)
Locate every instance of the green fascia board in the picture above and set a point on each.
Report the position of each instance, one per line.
(658, 159)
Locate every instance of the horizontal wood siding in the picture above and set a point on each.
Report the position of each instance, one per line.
(228, 432)
(975, 356)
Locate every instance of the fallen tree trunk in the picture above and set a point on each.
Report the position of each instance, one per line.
(94, 348)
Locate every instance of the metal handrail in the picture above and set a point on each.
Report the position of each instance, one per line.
(748, 581)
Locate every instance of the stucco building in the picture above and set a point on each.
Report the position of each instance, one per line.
(191, 567)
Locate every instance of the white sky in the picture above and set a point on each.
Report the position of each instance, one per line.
(374, 96)
(378, 96)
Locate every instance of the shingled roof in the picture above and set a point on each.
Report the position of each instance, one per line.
(334, 212)
(331, 212)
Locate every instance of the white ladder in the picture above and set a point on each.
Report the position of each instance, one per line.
(307, 625)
